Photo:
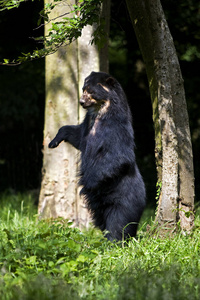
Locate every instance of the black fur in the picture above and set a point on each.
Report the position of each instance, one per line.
(112, 184)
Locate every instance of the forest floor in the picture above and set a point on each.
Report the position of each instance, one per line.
(52, 260)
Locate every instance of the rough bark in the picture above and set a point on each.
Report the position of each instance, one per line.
(58, 189)
(65, 72)
(173, 149)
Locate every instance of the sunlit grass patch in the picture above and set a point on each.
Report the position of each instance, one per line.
(49, 259)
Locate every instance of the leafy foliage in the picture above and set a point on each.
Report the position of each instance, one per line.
(9, 4)
(64, 29)
(52, 260)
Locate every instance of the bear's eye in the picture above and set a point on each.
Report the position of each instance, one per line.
(89, 90)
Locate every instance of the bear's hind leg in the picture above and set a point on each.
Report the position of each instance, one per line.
(120, 223)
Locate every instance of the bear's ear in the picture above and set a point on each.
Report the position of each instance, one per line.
(110, 81)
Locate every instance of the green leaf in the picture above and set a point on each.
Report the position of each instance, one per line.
(31, 260)
(51, 264)
(82, 258)
(73, 245)
(6, 61)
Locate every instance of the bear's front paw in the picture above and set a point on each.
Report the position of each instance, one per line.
(53, 144)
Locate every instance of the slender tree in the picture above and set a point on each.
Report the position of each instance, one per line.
(173, 148)
(65, 73)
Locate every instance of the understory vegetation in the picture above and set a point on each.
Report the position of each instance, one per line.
(53, 260)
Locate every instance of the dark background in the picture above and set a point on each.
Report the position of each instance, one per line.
(22, 90)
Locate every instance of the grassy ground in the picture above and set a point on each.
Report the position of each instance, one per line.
(51, 260)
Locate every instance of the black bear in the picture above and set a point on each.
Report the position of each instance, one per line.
(112, 185)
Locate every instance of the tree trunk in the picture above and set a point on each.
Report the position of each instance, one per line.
(173, 149)
(65, 73)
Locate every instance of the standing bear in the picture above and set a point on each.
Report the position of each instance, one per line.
(111, 182)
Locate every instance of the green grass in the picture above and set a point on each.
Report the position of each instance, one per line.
(51, 260)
